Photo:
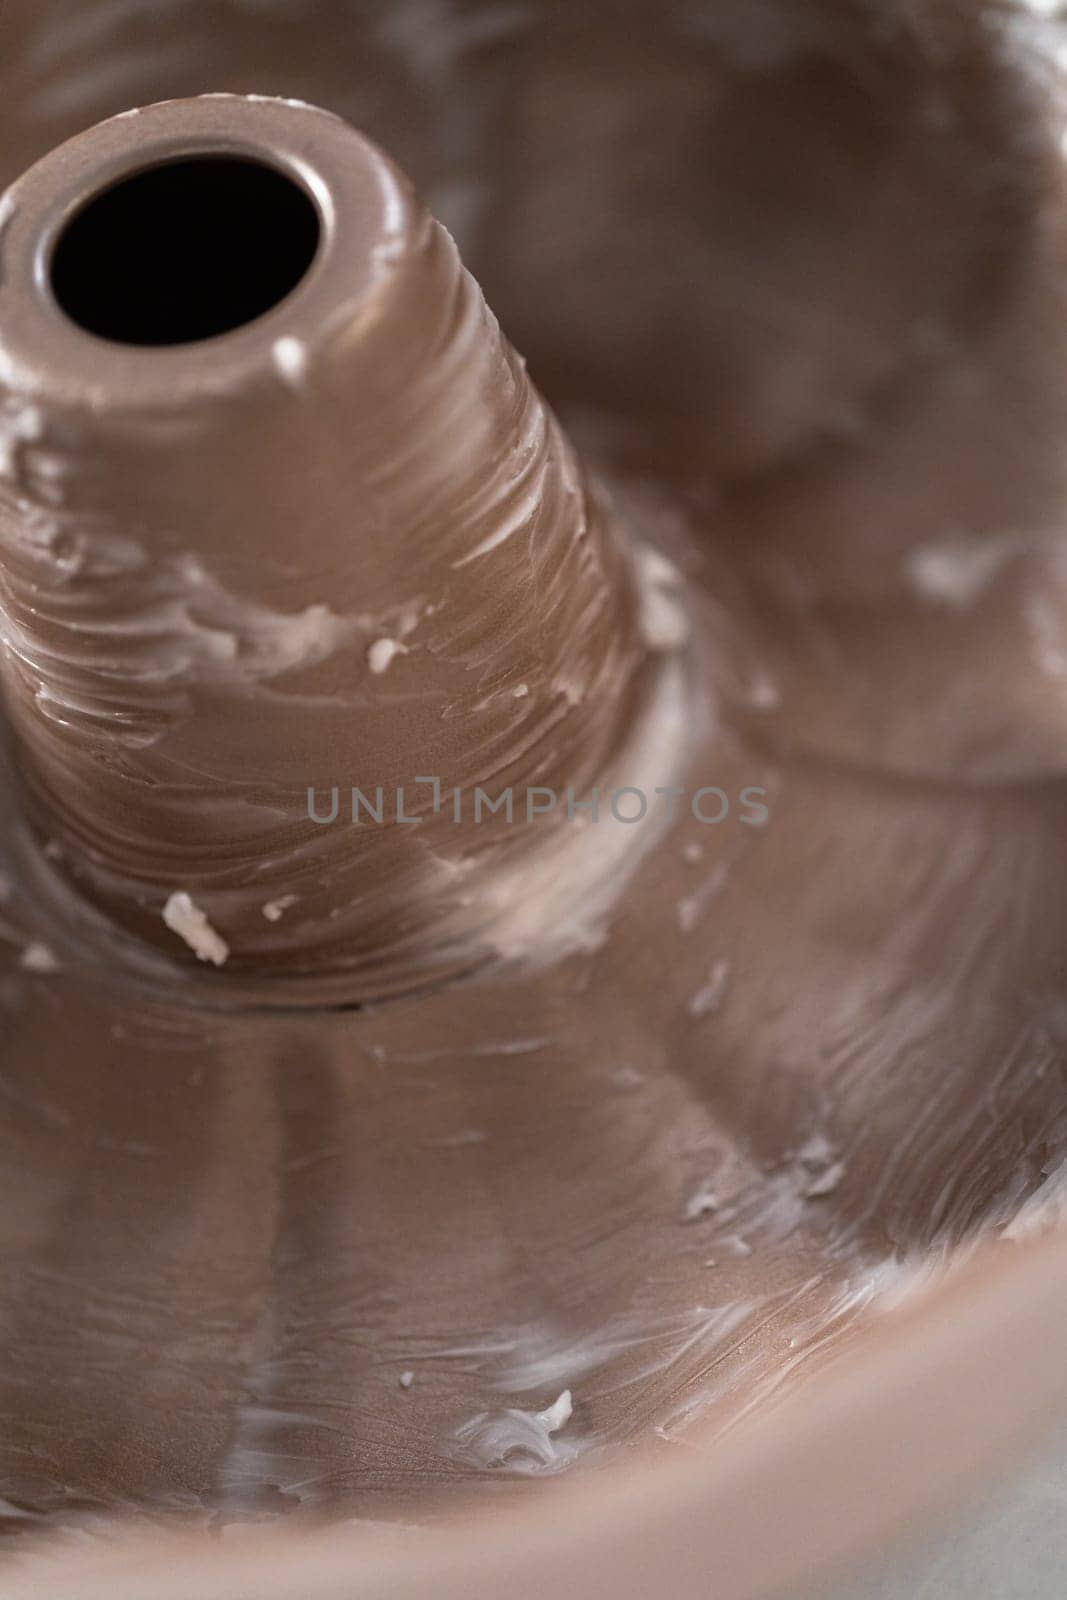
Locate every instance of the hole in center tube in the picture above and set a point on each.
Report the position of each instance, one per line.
(185, 251)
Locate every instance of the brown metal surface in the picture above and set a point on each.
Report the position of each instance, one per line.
(697, 1102)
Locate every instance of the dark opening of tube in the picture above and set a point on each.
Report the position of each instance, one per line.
(185, 251)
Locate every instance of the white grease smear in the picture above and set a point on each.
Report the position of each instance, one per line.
(183, 917)
(709, 998)
(956, 572)
(663, 617)
(274, 910)
(186, 627)
(704, 1202)
(520, 1440)
(1046, 1208)
(561, 900)
(383, 652)
(691, 907)
(826, 1182)
(522, 517)
(1045, 627)
(19, 424)
(38, 958)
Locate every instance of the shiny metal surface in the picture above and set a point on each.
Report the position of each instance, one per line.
(793, 278)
